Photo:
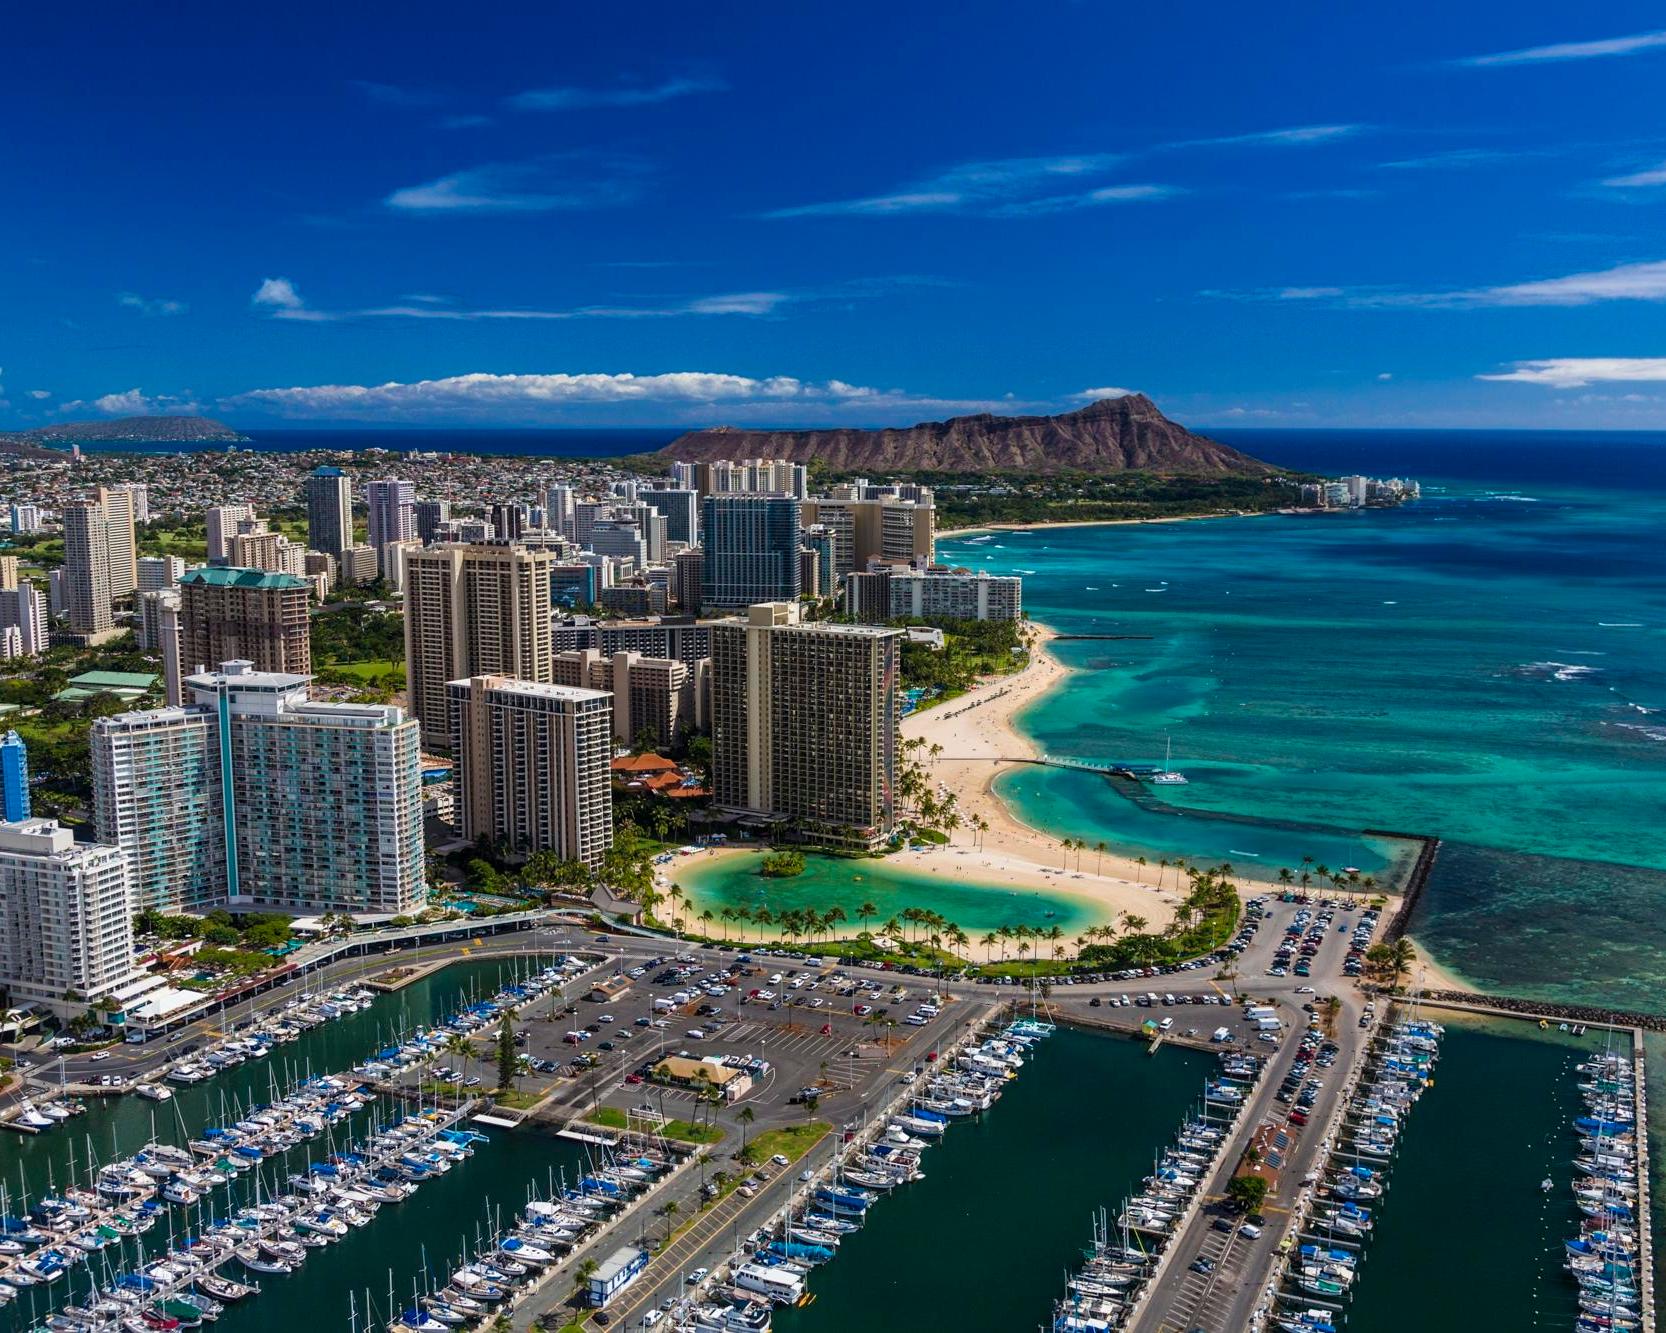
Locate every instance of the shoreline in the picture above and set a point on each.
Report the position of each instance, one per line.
(952, 534)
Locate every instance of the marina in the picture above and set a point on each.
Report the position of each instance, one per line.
(276, 1186)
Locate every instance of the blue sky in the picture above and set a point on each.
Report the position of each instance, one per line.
(645, 214)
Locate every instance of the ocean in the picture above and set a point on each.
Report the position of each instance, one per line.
(1487, 665)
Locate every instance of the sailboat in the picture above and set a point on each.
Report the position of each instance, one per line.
(1168, 777)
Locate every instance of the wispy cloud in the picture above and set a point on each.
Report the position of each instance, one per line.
(1456, 160)
(1107, 194)
(1030, 186)
(551, 184)
(531, 397)
(465, 121)
(1575, 372)
(392, 95)
(150, 306)
(1095, 395)
(1649, 176)
(569, 98)
(1625, 282)
(971, 186)
(1600, 49)
(40, 395)
(1290, 136)
(279, 298)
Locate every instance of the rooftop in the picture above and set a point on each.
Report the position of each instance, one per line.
(223, 577)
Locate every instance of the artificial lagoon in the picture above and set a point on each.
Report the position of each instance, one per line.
(730, 879)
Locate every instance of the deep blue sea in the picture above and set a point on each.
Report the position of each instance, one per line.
(1487, 665)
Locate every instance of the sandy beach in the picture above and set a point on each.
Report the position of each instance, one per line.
(978, 742)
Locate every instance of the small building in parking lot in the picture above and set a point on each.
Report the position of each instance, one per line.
(686, 1073)
(606, 992)
(617, 1272)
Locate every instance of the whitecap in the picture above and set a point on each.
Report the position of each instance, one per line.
(1391, 604)
(1653, 733)
(1233, 851)
(1620, 624)
(1156, 589)
(1091, 588)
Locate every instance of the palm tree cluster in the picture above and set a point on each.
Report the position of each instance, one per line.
(1349, 882)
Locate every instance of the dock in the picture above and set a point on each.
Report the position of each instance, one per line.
(1645, 1237)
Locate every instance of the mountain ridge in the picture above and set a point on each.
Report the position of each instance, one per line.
(1123, 434)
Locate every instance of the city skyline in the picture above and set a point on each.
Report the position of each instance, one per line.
(1444, 223)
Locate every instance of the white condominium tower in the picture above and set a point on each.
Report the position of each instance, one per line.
(66, 918)
(252, 794)
(392, 517)
(473, 609)
(533, 764)
(804, 724)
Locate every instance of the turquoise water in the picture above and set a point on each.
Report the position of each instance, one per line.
(441, 1216)
(1487, 665)
(985, 1240)
(829, 881)
(1464, 1234)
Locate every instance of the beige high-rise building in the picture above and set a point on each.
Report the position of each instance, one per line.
(882, 528)
(87, 568)
(804, 724)
(473, 609)
(8, 572)
(122, 541)
(220, 522)
(653, 698)
(533, 765)
(257, 550)
(246, 615)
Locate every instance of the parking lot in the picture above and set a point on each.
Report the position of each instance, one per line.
(798, 1028)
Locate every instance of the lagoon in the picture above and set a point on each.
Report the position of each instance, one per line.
(731, 879)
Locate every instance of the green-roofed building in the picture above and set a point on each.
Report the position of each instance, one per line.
(126, 685)
(248, 615)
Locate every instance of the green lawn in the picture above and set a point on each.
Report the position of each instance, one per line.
(611, 1117)
(791, 1142)
(366, 670)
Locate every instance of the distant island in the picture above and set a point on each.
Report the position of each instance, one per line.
(118, 430)
(1111, 435)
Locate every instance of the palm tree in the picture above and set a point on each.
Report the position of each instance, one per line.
(668, 1211)
(765, 918)
(866, 913)
(989, 941)
(708, 916)
(1065, 844)
(1140, 862)
(1054, 935)
(746, 1117)
(1403, 956)
(1162, 869)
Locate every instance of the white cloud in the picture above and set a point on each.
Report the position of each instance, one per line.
(1574, 372)
(1627, 282)
(1384, 377)
(1306, 293)
(580, 99)
(551, 184)
(279, 293)
(1561, 51)
(530, 397)
(1639, 179)
(148, 306)
(133, 403)
(1095, 395)
(39, 394)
